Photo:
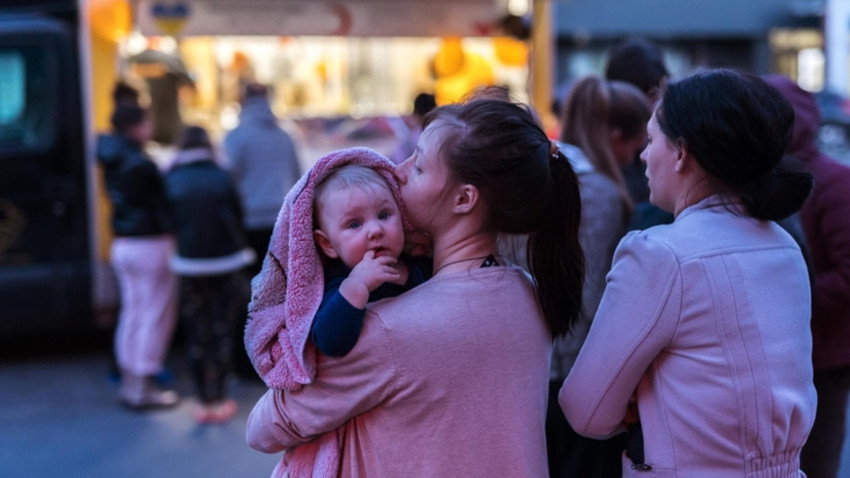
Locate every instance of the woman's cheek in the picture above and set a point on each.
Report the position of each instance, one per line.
(408, 196)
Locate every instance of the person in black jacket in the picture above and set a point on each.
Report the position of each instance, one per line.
(640, 62)
(139, 255)
(212, 253)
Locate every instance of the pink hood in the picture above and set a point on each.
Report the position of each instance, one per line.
(285, 297)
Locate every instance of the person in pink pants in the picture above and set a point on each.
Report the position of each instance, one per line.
(140, 252)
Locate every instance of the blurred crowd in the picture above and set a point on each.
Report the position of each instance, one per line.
(192, 231)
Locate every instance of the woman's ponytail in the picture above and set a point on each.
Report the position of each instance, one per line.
(555, 256)
(529, 188)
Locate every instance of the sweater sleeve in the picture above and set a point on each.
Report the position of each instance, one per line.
(636, 319)
(344, 388)
(337, 324)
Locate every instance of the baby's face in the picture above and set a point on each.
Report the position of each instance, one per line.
(358, 219)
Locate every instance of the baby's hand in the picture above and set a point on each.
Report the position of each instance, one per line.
(403, 273)
(368, 275)
(373, 271)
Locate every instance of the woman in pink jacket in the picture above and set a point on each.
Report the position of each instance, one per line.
(451, 377)
(705, 322)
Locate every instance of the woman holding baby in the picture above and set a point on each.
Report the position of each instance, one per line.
(451, 377)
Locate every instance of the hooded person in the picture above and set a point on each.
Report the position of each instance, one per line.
(825, 217)
(263, 162)
(286, 296)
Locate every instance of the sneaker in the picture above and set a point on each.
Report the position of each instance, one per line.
(139, 393)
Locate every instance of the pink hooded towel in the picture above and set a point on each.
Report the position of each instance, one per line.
(285, 298)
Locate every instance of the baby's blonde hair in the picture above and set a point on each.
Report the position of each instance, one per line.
(342, 178)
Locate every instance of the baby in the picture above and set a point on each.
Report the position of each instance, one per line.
(337, 245)
(359, 231)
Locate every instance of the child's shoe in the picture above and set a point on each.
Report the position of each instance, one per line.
(216, 412)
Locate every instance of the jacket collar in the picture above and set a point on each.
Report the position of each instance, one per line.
(195, 155)
(715, 202)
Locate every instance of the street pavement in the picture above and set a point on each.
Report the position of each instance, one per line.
(59, 416)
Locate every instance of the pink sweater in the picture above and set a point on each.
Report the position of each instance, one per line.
(448, 379)
(708, 320)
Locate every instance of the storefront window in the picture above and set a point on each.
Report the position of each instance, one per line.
(798, 54)
(341, 91)
(341, 76)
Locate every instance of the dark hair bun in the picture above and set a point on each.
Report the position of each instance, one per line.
(779, 193)
(738, 129)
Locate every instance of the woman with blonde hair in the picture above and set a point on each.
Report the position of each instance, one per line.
(606, 120)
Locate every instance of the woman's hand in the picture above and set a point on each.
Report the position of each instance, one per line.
(632, 415)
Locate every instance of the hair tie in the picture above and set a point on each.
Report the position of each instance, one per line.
(553, 150)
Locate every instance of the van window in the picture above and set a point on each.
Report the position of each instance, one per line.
(11, 87)
(27, 99)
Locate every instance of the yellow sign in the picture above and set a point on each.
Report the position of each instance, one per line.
(170, 17)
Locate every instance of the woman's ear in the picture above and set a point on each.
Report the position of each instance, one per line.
(325, 244)
(466, 198)
(682, 156)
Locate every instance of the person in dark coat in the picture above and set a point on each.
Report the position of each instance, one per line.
(640, 62)
(212, 253)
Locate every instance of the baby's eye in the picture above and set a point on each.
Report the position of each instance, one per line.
(383, 215)
(354, 224)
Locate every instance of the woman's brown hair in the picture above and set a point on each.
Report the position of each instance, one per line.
(528, 187)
